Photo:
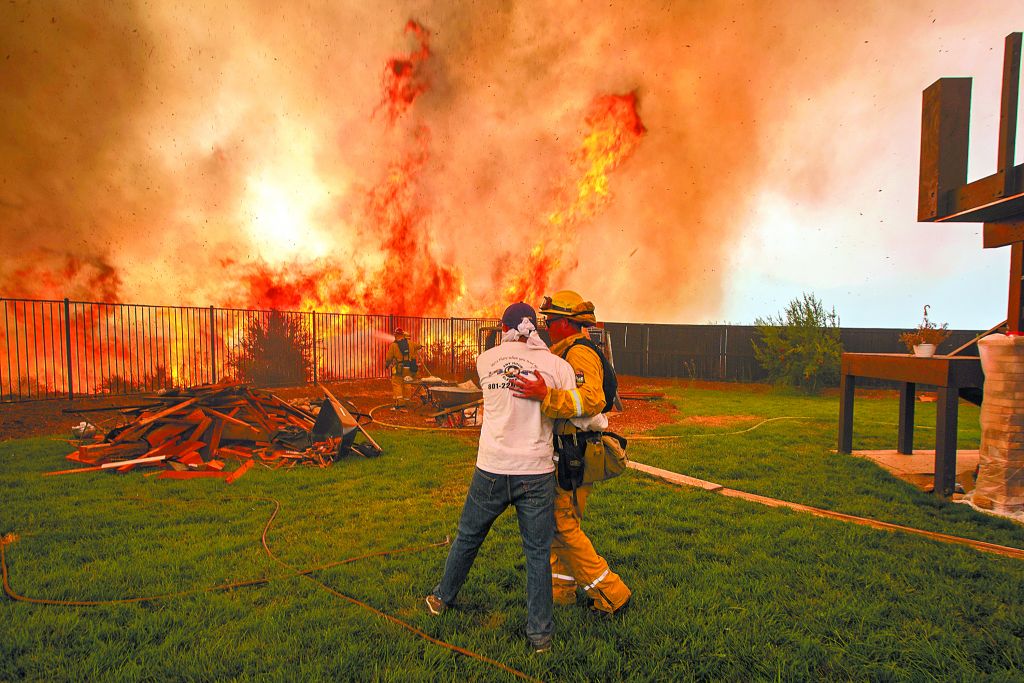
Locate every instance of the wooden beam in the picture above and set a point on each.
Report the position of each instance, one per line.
(228, 418)
(941, 371)
(943, 192)
(1008, 111)
(1002, 233)
(108, 466)
(905, 429)
(985, 200)
(966, 345)
(675, 478)
(237, 474)
(171, 474)
(945, 441)
(945, 131)
(847, 386)
(1014, 316)
(168, 411)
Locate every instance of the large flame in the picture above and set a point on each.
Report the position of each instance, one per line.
(249, 205)
(613, 131)
(401, 276)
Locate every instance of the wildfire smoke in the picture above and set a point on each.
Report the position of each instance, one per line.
(344, 157)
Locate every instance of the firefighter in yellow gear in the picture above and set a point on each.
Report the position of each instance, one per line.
(574, 561)
(402, 359)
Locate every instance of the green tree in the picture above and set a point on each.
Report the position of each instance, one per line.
(274, 351)
(800, 347)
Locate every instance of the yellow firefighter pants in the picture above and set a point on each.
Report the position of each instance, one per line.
(575, 563)
(401, 390)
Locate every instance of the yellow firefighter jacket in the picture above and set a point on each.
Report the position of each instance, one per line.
(588, 396)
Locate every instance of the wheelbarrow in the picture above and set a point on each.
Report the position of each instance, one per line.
(422, 386)
(456, 406)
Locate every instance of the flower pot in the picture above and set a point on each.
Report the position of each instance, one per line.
(924, 350)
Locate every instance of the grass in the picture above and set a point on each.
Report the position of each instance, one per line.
(795, 460)
(723, 589)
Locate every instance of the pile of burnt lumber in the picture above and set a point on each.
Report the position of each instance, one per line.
(197, 432)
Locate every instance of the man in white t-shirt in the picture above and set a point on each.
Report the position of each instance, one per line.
(514, 466)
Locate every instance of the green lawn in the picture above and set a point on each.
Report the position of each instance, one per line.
(723, 589)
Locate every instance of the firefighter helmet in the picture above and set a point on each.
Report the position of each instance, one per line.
(569, 304)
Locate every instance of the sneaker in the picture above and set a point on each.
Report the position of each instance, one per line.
(540, 648)
(435, 605)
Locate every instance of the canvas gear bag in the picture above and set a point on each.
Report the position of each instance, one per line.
(588, 457)
(604, 458)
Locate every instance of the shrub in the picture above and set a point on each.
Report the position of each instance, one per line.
(274, 351)
(801, 347)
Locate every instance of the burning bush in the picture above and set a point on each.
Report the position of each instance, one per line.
(160, 378)
(276, 350)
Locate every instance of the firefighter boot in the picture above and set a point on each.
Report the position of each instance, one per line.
(574, 551)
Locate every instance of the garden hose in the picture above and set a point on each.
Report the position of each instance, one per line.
(11, 538)
(742, 431)
(395, 620)
(418, 429)
(750, 429)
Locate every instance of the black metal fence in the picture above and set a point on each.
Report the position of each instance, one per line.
(59, 349)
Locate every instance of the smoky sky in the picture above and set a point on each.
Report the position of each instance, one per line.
(136, 140)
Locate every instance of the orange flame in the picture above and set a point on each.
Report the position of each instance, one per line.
(613, 133)
(287, 211)
(407, 280)
(403, 79)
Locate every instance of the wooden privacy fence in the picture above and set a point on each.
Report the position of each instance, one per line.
(725, 352)
(60, 349)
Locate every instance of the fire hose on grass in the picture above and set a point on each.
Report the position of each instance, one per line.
(11, 538)
(681, 479)
(409, 427)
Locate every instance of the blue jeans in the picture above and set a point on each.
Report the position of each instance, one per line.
(533, 496)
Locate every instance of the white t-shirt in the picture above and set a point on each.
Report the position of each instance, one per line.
(515, 438)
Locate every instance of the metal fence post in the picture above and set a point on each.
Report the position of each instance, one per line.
(67, 346)
(647, 350)
(314, 346)
(723, 352)
(213, 349)
(451, 339)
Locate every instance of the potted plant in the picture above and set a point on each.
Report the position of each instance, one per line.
(927, 336)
